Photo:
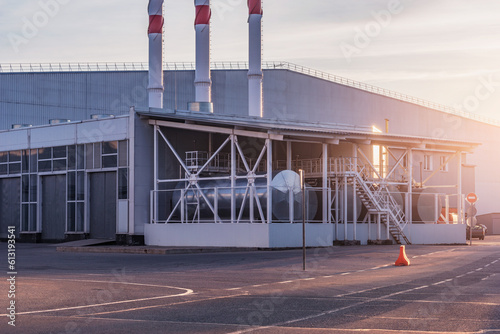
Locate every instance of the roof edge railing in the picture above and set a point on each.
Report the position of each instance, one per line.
(239, 65)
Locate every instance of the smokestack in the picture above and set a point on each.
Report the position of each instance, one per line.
(155, 32)
(202, 81)
(255, 58)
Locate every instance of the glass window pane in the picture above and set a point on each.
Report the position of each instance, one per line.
(71, 186)
(60, 164)
(110, 147)
(97, 155)
(80, 209)
(80, 195)
(14, 156)
(3, 169)
(109, 161)
(71, 157)
(26, 162)
(80, 156)
(25, 217)
(71, 217)
(59, 152)
(33, 161)
(32, 218)
(89, 156)
(33, 187)
(15, 168)
(45, 153)
(25, 188)
(123, 153)
(45, 166)
(4, 156)
(122, 183)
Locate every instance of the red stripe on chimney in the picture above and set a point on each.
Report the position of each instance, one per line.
(255, 7)
(155, 24)
(203, 14)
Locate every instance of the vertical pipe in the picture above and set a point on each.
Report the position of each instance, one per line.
(233, 178)
(354, 210)
(202, 80)
(344, 207)
(436, 207)
(255, 74)
(369, 226)
(410, 186)
(325, 183)
(131, 175)
(216, 205)
(289, 155)
(269, 144)
(337, 199)
(251, 202)
(354, 195)
(447, 210)
(155, 33)
(459, 188)
(155, 173)
(379, 232)
(388, 226)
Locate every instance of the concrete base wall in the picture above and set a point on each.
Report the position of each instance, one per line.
(287, 235)
(425, 234)
(238, 235)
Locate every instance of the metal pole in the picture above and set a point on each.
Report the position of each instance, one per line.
(303, 188)
(470, 225)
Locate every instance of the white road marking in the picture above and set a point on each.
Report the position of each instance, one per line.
(234, 289)
(322, 313)
(478, 269)
(421, 287)
(164, 305)
(285, 282)
(307, 279)
(345, 274)
(188, 292)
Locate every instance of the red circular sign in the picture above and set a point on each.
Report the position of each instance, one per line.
(471, 198)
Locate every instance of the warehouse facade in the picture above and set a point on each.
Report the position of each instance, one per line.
(173, 177)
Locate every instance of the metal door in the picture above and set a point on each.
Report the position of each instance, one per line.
(10, 211)
(53, 207)
(102, 205)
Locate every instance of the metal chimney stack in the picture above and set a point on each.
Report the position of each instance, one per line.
(202, 81)
(155, 32)
(255, 59)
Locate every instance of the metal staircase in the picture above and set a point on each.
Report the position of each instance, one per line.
(376, 198)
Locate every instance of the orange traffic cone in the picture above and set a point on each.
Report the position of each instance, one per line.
(403, 259)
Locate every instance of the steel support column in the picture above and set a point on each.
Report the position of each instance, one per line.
(459, 188)
(325, 183)
(269, 168)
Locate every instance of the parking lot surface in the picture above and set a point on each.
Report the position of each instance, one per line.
(446, 289)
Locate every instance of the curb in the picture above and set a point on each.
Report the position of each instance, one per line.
(147, 250)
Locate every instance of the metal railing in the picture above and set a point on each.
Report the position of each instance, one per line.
(240, 65)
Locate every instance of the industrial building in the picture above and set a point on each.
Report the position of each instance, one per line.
(208, 154)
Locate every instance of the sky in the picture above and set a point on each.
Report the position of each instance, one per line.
(445, 51)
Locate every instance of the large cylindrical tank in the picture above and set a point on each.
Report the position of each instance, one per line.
(426, 204)
(282, 183)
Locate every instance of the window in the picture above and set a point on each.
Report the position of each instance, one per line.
(427, 162)
(442, 160)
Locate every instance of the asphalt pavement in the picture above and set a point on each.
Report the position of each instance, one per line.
(446, 289)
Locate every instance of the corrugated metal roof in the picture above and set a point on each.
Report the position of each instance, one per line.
(282, 126)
